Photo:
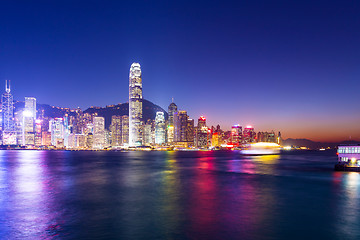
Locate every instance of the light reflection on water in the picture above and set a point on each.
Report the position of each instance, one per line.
(175, 195)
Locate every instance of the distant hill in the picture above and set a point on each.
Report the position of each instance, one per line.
(149, 110)
(48, 111)
(315, 145)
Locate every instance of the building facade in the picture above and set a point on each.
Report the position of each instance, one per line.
(135, 106)
(160, 128)
(8, 123)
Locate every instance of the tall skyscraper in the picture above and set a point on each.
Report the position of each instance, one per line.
(202, 133)
(115, 128)
(149, 132)
(180, 126)
(135, 106)
(29, 116)
(160, 128)
(99, 133)
(170, 128)
(56, 127)
(125, 130)
(8, 123)
(236, 135)
(171, 110)
(249, 134)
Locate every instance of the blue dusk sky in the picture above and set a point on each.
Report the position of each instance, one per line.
(289, 66)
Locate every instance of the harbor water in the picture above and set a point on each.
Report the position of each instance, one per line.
(176, 195)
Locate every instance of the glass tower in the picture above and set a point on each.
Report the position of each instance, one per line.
(135, 106)
(8, 124)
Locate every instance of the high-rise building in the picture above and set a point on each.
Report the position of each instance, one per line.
(171, 110)
(202, 133)
(170, 133)
(29, 116)
(149, 132)
(38, 134)
(249, 134)
(135, 106)
(99, 132)
(180, 126)
(236, 135)
(125, 130)
(190, 129)
(170, 128)
(30, 105)
(56, 127)
(116, 133)
(8, 123)
(160, 128)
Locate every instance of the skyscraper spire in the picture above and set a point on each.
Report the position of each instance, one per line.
(135, 105)
(7, 88)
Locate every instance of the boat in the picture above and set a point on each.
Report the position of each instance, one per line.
(261, 148)
(348, 158)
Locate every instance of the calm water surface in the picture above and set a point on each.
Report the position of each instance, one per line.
(176, 195)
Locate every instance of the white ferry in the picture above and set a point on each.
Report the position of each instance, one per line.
(261, 148)
(348, 158)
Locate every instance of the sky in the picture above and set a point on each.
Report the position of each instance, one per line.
(289, 66)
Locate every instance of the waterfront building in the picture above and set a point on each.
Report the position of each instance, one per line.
(8, 123)
(180, 126)
(202, 133)
(116, 133)
(348, 158)
(46, 138)
(171, 110)
(125, 130)
(149, 132)
(107, 142)
(170, 127)
(249, 134)
(56, 127)
(135, 106)
(236, 135)
(89, 140)
(267, 137)
(29, 116)
(190, 130)
(99, 132)
(38, 124)
(170, 133)
(159, 128)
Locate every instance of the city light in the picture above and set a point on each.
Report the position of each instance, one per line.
(27, 113)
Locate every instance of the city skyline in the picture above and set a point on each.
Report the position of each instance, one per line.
(222, 61)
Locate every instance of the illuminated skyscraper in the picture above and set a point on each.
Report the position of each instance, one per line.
(160, 128)
(56, 127)
(190, 132)
(202, 133)
(8, 123)
(115, 128)
(149, 132)
(180, 126)
(125, 130)
(249, 134)
(29, 116)
(171, 110)
(38, 132)
(99, 133)
(170, 128)
(135, 106)
(236, 135)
